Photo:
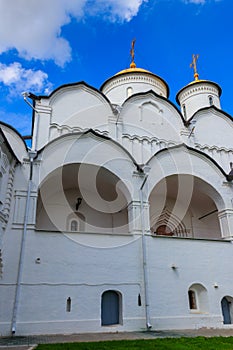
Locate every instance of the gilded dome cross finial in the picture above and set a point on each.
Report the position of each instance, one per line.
(132, 64)
(194, 66)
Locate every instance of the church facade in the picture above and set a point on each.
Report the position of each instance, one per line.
(120, 215)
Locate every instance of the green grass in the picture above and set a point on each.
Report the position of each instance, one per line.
(198, 343)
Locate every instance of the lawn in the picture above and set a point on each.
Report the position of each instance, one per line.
(198, 343)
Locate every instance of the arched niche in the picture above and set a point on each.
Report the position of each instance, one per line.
(198, 298)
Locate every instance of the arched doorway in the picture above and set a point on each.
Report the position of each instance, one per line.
(226, 304)
(110, 308)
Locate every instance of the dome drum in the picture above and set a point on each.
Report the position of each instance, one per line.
(131, 81)
(198, 94)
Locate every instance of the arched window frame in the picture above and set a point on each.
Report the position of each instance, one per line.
(74, 225)
(79, 219)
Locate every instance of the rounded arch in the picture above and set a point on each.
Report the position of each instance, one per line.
(185, 161)
(84, 148)
(73, 86)
(93, 197)
(167, 224)
(186, 206)
(198, 298)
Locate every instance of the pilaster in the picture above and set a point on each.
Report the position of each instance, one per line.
(226, 223)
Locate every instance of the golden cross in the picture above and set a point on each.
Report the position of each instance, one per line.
(132, 65)
(194, 66)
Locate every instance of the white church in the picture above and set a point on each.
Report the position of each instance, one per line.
(119, 217)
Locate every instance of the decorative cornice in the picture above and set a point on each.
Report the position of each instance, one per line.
(213, 148)
(149, 139)
(74, 129)
(197, 89)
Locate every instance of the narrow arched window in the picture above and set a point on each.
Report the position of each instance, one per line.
(139, 300)
(211, 101)
(68, 304)
(192, 300)
(74, 226)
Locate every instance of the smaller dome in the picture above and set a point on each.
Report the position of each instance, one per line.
(198, 94)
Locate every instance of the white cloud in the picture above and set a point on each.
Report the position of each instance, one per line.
(195, 1)
(18, 79)
(116, 10)
(33, 27)
(202, 2)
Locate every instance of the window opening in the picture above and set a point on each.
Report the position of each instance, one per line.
(211, 101)
(74, 226)
(184, 110)
(129, 91)
(139, 300)
(192, 300)
(68, 304)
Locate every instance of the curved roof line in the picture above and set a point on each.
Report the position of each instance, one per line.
(9, 146)
(93, 132)
(208, 108)
(198, 82)
(195, 151)
(16, 131)
(7, 142)
(137, 73)
(75, 84)
(159, 96)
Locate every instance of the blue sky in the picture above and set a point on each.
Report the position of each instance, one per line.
(47, 43)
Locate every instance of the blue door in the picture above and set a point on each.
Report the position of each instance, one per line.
(226, 311)
(110, 308)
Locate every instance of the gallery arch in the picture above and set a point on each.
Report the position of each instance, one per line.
(179, 210)
(69, 201)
